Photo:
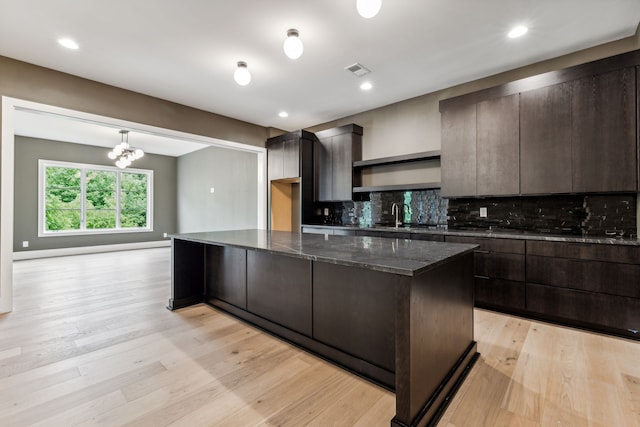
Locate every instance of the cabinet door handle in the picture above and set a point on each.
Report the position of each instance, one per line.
(482, 251)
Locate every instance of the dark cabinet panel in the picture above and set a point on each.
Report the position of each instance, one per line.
(595, 276)
(500, 265)
(275, 160)
(354, 311)
(342, 160)
(324, 167)
(429, 237)
(498, 146)
(279, 289)
(509, 246)
(291, 159)
(336, 151)
(283, 159)
(585, 251)
(604, 132)
(458, 151)
(585, 308)
(187, 273)
(545, 140)
(499, 269)
(500, 294)
(226, 275)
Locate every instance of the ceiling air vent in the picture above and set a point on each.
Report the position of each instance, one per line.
(357, 69)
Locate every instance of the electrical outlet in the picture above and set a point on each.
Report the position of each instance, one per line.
(164, 235)
(25, 244)
(212, 190)
(483, 212)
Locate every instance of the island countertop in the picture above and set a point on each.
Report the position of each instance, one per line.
(398, 256)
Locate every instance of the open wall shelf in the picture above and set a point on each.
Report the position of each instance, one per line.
(415, 157)
(385, 161)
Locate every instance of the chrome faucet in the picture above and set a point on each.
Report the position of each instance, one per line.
(395, 210)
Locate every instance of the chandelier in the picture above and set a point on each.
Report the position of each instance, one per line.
(124, 153)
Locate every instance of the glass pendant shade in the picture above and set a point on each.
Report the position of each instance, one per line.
(124, 153)
(242, 75)
(368, 8)
(293, 47)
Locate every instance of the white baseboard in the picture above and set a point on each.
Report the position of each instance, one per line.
(49, 253)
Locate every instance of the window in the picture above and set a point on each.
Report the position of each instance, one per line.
(88, 199)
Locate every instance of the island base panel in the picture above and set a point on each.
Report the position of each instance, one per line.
(188, 273)
(434, 327)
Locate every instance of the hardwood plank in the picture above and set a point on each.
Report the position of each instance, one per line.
(120, 358)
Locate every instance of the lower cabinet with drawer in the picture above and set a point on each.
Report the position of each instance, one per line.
(499, 270)
(596, 286)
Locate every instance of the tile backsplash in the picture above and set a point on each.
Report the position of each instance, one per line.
(594, 214)
(424, 207)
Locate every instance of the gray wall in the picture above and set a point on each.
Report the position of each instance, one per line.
(27, 153)
(233, 205)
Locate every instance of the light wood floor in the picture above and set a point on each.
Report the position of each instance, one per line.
(91, 343)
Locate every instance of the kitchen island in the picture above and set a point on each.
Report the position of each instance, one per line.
(397, 312)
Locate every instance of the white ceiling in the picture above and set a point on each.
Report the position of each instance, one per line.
(186, 51)
(62, 128)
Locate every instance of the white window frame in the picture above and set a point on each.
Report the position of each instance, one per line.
(84, 167)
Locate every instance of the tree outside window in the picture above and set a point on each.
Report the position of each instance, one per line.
(85, 198)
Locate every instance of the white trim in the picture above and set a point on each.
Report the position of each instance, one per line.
(9, 105)
(6, 207)
(50, 253)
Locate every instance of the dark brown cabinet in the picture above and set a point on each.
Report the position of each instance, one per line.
(597, 311)
(226, 275)
(458, 151)
(354, 311)
(335, 152)
(499, 270)
(604, 132)
(283, 159)
(498, 146)
(545, 140)
(572, 131)
(589, 285)
(279, 289)
(290, 175)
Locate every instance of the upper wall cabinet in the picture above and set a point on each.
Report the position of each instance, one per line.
(335, 152)
(604, 132)
(545, 140)
(458, 151)
(568, 131)
(497, 145)
(283, 158)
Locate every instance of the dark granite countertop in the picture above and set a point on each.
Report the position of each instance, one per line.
(404, 257)
(501, 234)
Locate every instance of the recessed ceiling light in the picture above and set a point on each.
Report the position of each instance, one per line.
(283, 114)
(68, 43)
(366, 86)
(518, 31)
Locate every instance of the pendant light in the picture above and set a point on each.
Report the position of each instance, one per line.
(125, 153)
(368, 8)
(293, 47)
(242, 76)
